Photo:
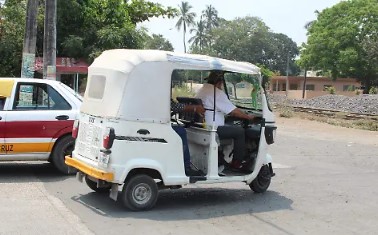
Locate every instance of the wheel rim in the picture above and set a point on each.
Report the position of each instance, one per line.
(141, 193)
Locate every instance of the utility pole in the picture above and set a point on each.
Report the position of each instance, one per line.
(304, 84)
(287, 75)
(30, 39)
(49, 41)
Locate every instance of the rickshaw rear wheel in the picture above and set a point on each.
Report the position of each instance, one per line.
(139, 193)
(261, 183)
(93, 185)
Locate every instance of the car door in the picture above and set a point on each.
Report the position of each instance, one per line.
(2, 126)
(37, 117)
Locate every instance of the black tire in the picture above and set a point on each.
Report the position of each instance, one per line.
(261, 183)
(63, 147)
(93, 185)
(139, 193)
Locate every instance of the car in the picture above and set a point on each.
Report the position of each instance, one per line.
(36, 119)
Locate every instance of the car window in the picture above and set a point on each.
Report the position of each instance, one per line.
(39, 97)
(2, 103)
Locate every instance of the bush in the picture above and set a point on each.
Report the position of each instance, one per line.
(373, 90)
(331, 90)
(182, 91)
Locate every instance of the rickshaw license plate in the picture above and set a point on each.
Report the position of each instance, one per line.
(103, 159)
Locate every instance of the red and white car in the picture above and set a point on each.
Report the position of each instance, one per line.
(36, 119)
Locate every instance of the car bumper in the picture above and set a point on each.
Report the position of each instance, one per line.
(89, 170)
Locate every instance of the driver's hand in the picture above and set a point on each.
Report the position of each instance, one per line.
(200, 109)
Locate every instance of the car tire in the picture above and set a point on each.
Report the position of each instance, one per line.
(63, 147)
(262, 181)
(139, 193)
(93, 185)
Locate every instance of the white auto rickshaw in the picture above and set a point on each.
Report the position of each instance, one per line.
(124, 136)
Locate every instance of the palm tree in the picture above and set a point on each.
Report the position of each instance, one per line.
(211, 17)
(186, 18)
(200, 38)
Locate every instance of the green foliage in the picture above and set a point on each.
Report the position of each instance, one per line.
(186, 19)
(12, 27)
(157, 41)
(331, 90)
(373, 90)
(343, 40)
(84, 28)
(249, 39)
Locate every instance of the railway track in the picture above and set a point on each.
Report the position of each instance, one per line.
(335, 113)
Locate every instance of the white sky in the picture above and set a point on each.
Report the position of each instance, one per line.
(281, 16)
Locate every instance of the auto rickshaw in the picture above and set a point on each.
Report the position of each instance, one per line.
(125, 140)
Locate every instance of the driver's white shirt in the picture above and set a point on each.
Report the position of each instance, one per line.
(223, 104)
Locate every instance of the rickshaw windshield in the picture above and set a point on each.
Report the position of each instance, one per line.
(244, 90)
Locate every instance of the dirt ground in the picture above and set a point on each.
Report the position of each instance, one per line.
(326, 131)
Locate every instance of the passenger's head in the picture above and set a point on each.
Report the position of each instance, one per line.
(216, 77)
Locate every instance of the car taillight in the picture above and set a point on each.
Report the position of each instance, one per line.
(108, 139)
(75, 129)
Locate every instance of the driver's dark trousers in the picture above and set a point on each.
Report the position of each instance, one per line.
(236, 133)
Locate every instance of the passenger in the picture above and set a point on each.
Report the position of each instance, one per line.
(224, 107)
(180, 130)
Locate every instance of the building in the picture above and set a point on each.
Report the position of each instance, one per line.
(315, 86)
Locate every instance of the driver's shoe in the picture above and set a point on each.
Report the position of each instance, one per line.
(191, 172)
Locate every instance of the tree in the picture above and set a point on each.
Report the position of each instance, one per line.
(201, 38)
(342, 41)
(157, 41)
(210, 15)
(12, 28)
(186, 19)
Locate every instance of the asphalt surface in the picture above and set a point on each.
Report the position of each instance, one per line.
(324, 184)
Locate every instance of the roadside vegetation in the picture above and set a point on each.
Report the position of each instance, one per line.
(336, 119)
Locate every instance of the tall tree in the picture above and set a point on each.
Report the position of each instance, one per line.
(341, 41)
(201, 38)
(186, 19)
(210, 15)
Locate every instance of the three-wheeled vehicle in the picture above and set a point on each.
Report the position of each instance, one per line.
(124, 136)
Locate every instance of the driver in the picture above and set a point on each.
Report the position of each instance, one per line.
(224, 107)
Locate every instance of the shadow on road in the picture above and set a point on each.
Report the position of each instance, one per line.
(11, 172)
(191, 204)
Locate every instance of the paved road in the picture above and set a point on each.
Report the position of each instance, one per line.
(325, 184)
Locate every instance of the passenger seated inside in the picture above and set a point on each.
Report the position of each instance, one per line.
(224, 106)
(181, 108)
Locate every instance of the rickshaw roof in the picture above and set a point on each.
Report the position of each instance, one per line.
(181, 60)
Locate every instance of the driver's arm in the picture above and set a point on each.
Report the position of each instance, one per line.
(240, 114)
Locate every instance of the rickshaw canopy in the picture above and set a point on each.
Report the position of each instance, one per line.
(136, 84)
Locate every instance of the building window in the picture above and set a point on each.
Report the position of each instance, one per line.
(293, 86)
(349, 87)
(310, 87)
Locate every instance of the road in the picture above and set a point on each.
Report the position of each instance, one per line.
(324, 184)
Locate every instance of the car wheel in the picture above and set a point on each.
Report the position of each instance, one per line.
(140, 192)
(93, 185)
(261, 183)
(62, 148)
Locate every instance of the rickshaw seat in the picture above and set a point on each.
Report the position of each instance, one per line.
(189, 116)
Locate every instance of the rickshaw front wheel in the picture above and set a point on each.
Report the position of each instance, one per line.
(261, 183)
(140, 192)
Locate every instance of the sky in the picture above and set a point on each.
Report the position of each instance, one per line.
(281, 16)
